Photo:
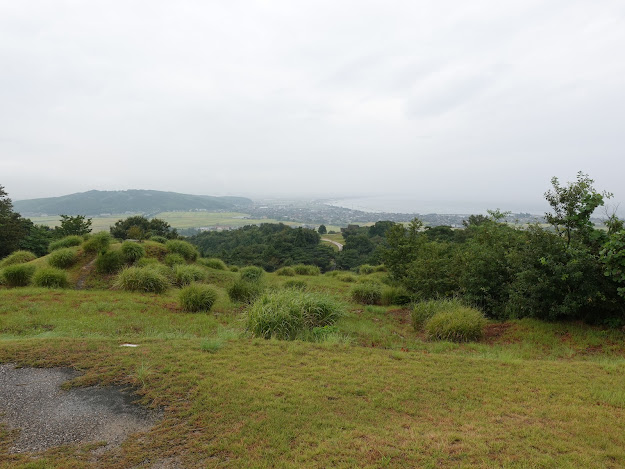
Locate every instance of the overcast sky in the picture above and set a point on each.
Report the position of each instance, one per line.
(479, 102)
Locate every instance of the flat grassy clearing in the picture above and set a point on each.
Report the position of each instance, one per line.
(179, 220)
(531, 394)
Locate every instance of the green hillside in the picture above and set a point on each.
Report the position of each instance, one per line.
(135, 201)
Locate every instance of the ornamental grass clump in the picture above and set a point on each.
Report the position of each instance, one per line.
(144, 279)
(252, 273)
(288, 315)
(366, 269)
(368, 293)
(424, 310)
(109, 262)
(50, 277)
(197, 297)
(63, 258)
(98, 242)
(18, 257)
(244, 291)
(464, 324)
(185, 249)
(185, 274)
(302, 269)
(66, 242)
(395, 296)
(174, 259)
(295, 285)
(213, 263)
(132, 251)
(286, 272)
(18, 275)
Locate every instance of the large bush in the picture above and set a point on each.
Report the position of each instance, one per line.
(132, 251)
(197, 297)
(185, 249)
(18, 257)
(66, 242)
(368, 293)
(289, 314)
(143, 279)
(63, 258)
(18, 275)
(50, 277)
(460, 325)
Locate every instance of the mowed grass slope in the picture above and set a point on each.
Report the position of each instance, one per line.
(531, 394)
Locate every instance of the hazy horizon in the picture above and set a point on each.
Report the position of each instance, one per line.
(480, 103)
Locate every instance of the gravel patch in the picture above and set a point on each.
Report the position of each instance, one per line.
(32, 401)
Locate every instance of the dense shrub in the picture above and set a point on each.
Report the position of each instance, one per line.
(63, 258)
(366, 269)
(158, 239)
(424, 310)
(66, 242)
(251, 273)
(245, 292)
(368, 293)
(185, 249)
(459, 325)
(197, 297)
(109, 262)
(174, 259)
(301, 269)
(286, 271)
(18, 275)
(295, 285)
(288, 314)
(155, 250)
(98, 242)
(50, 277)
(143, 279)
(395, 296)
(213, 263)
(18, 257)
(132, 251)
(186, 274)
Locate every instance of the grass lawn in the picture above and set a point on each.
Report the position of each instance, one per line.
(530, 394)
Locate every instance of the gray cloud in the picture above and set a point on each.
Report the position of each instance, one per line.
(448, 100)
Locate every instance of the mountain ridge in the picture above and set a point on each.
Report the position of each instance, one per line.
(95, 202)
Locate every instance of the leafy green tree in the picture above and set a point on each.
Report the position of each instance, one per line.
(572, 206)
(38, 239)
(322, 229)
(13, 227)
(153, 227)
(74, 225)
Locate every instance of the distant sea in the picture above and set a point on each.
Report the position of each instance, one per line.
(395, 204)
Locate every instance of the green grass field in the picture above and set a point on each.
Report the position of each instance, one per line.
(530, 394)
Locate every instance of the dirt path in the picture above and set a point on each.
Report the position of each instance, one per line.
(84, 273)
(337, 244)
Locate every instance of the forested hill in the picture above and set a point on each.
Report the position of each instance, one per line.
(137, 201)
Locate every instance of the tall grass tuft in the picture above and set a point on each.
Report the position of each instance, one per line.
(251, 273)
(18, 275)
(18, 257)
(174, 259)
(144, 279)
(186, 274)
(424, 310)
(185, 249)
(244, 291)
(109, 262)
(213, 263)
(98, 242)
(63, 258)
(366, 269)
(132, 251)
(295, 285)
(50, 277)
(301, 269)
(368, 293)
(461, 325)
(395, 296)
(197, 297)
(155, 250)
(66, 242)
(158, 239)
(286, 272)
(288, 314)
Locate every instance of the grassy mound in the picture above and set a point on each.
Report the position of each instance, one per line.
(301, 269)
(288, 314)
(185, 249)
(50, 277)
(18, 275)
(144, 279)
(213, 263)
(98, 242)
(63, 258)
(18, 257)
(286, 272)
(109, 262)
(368, 293)
(424, 310)
(132, 251)
(251, 273)
(461, 325)
(67, 242)
(186, 274)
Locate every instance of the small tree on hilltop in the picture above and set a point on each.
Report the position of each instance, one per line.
(322, 229)
(74, 225)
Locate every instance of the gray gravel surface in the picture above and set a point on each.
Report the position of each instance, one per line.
(32, 401)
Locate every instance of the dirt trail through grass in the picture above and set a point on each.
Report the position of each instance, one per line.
(84, 274)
